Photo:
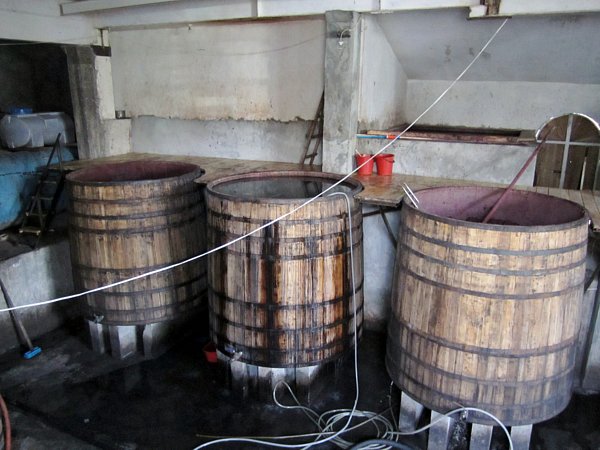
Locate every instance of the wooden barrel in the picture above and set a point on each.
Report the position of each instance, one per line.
(487, 315)
(130, 218)
(283, 297)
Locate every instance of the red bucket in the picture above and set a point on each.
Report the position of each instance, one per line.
(385, 163)
(367, 169)
(210, 352)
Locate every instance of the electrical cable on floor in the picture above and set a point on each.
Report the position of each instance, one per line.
(371, 443)
(456, 411)
(284, 216)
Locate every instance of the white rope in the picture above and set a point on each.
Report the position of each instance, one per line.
(268, 224)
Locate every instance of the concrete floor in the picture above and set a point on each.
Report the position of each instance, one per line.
(70, 398)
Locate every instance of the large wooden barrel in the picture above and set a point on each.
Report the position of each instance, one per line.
(283, 297)
(130, 218)
(487, 315)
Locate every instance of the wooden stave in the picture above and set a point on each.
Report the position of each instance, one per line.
(105, 217)
(442, 398)
(221, 206)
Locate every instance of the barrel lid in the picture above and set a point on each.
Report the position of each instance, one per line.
(519, 211)
(134, 172)
(281, 186)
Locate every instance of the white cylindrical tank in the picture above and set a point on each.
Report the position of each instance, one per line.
(36, 130)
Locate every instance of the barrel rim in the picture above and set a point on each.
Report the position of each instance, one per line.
(194, 173)
(356, 185)
(584, 220)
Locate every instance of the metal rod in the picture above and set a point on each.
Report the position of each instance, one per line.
(565, 159)
(411, 195)
(20, 327)
(388, 227)
(491, 212)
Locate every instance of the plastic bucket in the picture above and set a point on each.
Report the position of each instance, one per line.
(385, 163)
(210, 352)
(367, 169)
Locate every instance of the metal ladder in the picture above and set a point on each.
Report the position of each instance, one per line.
(314, 135)
(42, 204)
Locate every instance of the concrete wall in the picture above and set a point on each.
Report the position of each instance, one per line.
(383, 83)
(461, 161)
(34, 276)
(379, 257)
(240, 139)
(243, 90)
(507, 104)
(249, 71)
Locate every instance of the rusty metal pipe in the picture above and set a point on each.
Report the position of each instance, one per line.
(491, 212)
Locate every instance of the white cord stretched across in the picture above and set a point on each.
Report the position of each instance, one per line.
(268, 224)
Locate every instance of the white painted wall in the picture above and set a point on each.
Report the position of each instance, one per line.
(438, 45)
(249, 71)
(383, 83)
(513, 105)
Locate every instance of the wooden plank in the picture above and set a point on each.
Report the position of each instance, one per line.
(439, 136)
(590, 204)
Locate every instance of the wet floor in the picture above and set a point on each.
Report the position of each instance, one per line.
(69, 397)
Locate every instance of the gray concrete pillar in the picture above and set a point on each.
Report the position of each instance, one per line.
(123, 340)
(342, 76)
(440, 431)
(97, 336)
(90, 76)
(481, 437)
(521, 436)
(410, 413)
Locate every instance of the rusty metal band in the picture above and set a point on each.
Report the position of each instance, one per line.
(501, 272)
(133, 271)
(494, 251)
(277, 307)
(356, 213)
(170, 287)
(265, 358)
(279, 331)
(279, 257)
(495, 296)
(399, 351)
(195, 297)
(400, 381)
(183, 189)
(499, 353)
(131, 231)
(172, 312)
(147, 215)
(356, 230)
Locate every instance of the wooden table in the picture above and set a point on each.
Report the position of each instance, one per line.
(385, 191)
